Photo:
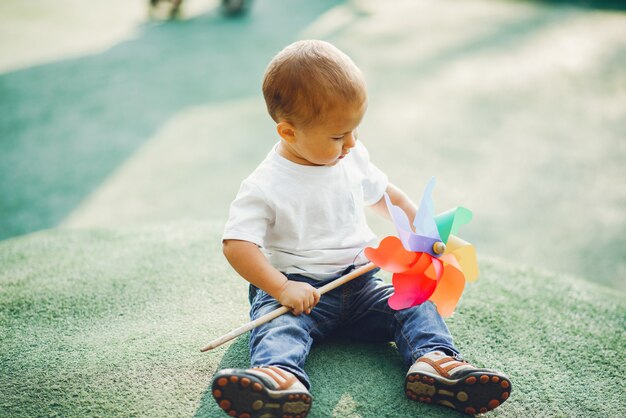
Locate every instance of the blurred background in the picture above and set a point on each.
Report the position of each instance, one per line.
(111, 114)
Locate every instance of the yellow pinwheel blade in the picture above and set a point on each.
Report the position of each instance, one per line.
(465, 255)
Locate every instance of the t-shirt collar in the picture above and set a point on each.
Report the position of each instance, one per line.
(275, 156)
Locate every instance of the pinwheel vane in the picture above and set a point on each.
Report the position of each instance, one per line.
(428, 261)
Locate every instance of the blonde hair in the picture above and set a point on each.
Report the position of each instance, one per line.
(308, 78)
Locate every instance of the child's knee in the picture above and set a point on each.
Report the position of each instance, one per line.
(290, 323)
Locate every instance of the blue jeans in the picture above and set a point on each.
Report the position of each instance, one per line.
(358, 306)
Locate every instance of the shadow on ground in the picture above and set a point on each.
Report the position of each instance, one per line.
(67, 125)
(364, 377)
(590, 4)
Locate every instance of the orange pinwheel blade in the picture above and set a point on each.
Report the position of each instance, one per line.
(450, 287)
(391, 255)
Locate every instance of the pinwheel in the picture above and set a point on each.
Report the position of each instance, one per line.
(428, 261)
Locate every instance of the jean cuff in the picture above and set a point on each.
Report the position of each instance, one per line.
(444, 349)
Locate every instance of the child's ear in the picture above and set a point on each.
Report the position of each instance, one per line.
(286, 132)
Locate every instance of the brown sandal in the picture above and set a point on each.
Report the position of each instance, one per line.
(261, 392)
(437, 378)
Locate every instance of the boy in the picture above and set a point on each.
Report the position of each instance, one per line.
(298, 222)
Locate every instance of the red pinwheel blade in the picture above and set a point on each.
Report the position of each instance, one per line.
(411, 290)
(417, 284)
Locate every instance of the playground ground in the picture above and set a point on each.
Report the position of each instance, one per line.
(123, 140)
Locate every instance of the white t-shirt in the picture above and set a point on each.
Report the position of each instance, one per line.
(308, 220)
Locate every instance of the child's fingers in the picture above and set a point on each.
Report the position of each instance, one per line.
(316, 297)
(298, 307)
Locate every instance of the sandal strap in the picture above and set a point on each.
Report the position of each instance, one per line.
(282, 379)
(438, 365)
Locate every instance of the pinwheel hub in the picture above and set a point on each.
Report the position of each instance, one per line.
(439, 247)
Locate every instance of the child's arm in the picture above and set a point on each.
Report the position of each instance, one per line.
(398, 198)
(251, 264)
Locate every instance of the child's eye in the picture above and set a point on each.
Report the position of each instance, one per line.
(338, 138)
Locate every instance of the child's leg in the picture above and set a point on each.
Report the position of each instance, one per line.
(437, 373)
(416, 331)
(277, 385)
(285, 342)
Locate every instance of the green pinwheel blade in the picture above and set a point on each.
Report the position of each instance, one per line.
(448, 222)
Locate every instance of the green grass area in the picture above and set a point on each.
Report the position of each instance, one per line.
(66, 125)
(109, 322)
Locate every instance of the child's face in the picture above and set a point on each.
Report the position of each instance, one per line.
(326, 142)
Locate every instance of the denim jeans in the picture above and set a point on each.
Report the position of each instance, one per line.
(359, 309)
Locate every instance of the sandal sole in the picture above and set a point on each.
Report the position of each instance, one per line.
(244, 395)
(476, 392)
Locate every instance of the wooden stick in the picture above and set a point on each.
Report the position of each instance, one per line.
(283, 309)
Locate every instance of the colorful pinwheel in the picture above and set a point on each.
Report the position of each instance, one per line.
(428, 261)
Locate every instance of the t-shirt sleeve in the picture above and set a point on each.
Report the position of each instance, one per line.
(249, 215)
(374, 180)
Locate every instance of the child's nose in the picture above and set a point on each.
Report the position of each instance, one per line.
(350, 141)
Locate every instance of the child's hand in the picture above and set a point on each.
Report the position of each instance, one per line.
(299, 296)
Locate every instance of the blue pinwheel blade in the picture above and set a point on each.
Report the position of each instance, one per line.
(424, 222)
